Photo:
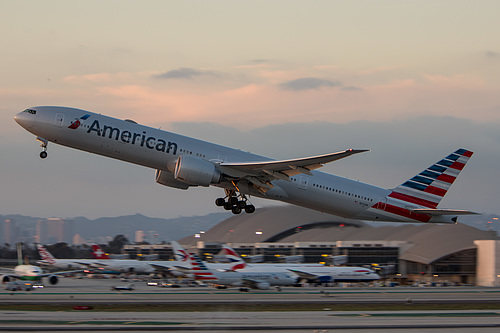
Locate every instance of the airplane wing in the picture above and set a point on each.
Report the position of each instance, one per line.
(261, 173)
(439, 212)
(173, 270)
(304, 275)
(85, 264)
(61, 273)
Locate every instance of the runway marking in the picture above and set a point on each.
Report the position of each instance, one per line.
(426, 314)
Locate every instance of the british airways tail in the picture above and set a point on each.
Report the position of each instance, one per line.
(420, 196)
(234, 258)
(180, 254)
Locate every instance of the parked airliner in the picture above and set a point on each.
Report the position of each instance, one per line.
(49, 260)
(246, 278)
(182, 162)
(310, 272)
(29, 272)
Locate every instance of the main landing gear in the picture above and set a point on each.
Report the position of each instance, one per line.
(235, 203)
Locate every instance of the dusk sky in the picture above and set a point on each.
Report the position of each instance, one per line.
(410, 80)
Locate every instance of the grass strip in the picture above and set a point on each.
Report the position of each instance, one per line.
(256, 307)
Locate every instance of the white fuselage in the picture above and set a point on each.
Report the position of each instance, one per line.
(321, 272)
(68, 263)
(275, 277)
(28, 272)
(160, 150)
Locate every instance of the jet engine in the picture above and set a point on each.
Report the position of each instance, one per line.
(167, 178)
(53, 279)
(5, 278)
(263, 285)
(196, 171)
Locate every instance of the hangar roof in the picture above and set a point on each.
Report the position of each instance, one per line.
(288, 224)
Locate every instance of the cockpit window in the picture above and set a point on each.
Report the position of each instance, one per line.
(30, 111)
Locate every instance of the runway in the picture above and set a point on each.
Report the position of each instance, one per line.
(95, 291)
(218, 316)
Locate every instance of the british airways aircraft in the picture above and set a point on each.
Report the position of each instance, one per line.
(182, 162)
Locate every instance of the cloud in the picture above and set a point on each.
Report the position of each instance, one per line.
(307, 83)
(492, 54)
(185, 73)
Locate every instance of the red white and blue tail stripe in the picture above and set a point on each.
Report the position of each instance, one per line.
(429, 187)
(200, 270)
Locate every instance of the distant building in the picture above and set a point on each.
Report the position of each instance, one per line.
(139, 236)
(10, 232)
(54, 230)
(488, 263)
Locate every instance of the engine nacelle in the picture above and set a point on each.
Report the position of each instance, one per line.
(167, 178)
(53, 279)
(5, 278)
(263, 285)
(196, 171)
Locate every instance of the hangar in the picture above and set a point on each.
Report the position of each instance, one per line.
(416, 252)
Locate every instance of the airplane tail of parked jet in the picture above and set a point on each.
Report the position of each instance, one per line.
(45, 254)
(200, 270)
(234, 258)
(98, 253)
(179, 253)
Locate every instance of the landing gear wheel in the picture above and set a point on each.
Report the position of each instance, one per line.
(249, 209)
(43, 154)
(235, 201)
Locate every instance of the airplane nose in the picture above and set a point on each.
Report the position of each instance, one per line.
(26, 118)
(19, 118)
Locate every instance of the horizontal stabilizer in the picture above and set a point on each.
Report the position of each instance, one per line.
(439, 212)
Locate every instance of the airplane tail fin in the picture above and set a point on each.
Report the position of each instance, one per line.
(234, 258)
(179, 253)
(429, 187)
(98, 253)
(45, 254)
(200, 270)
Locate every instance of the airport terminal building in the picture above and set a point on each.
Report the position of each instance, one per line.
(412, 253)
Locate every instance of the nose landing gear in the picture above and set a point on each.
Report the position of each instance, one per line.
(44, 142)
(235, 203)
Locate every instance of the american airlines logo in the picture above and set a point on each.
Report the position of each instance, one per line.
(77, 123)
(141, 139)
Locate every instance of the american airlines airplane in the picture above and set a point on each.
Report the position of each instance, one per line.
(182, 162)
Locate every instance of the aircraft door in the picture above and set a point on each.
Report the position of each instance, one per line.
(303, 180)
(59, 120)
(382, 202)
